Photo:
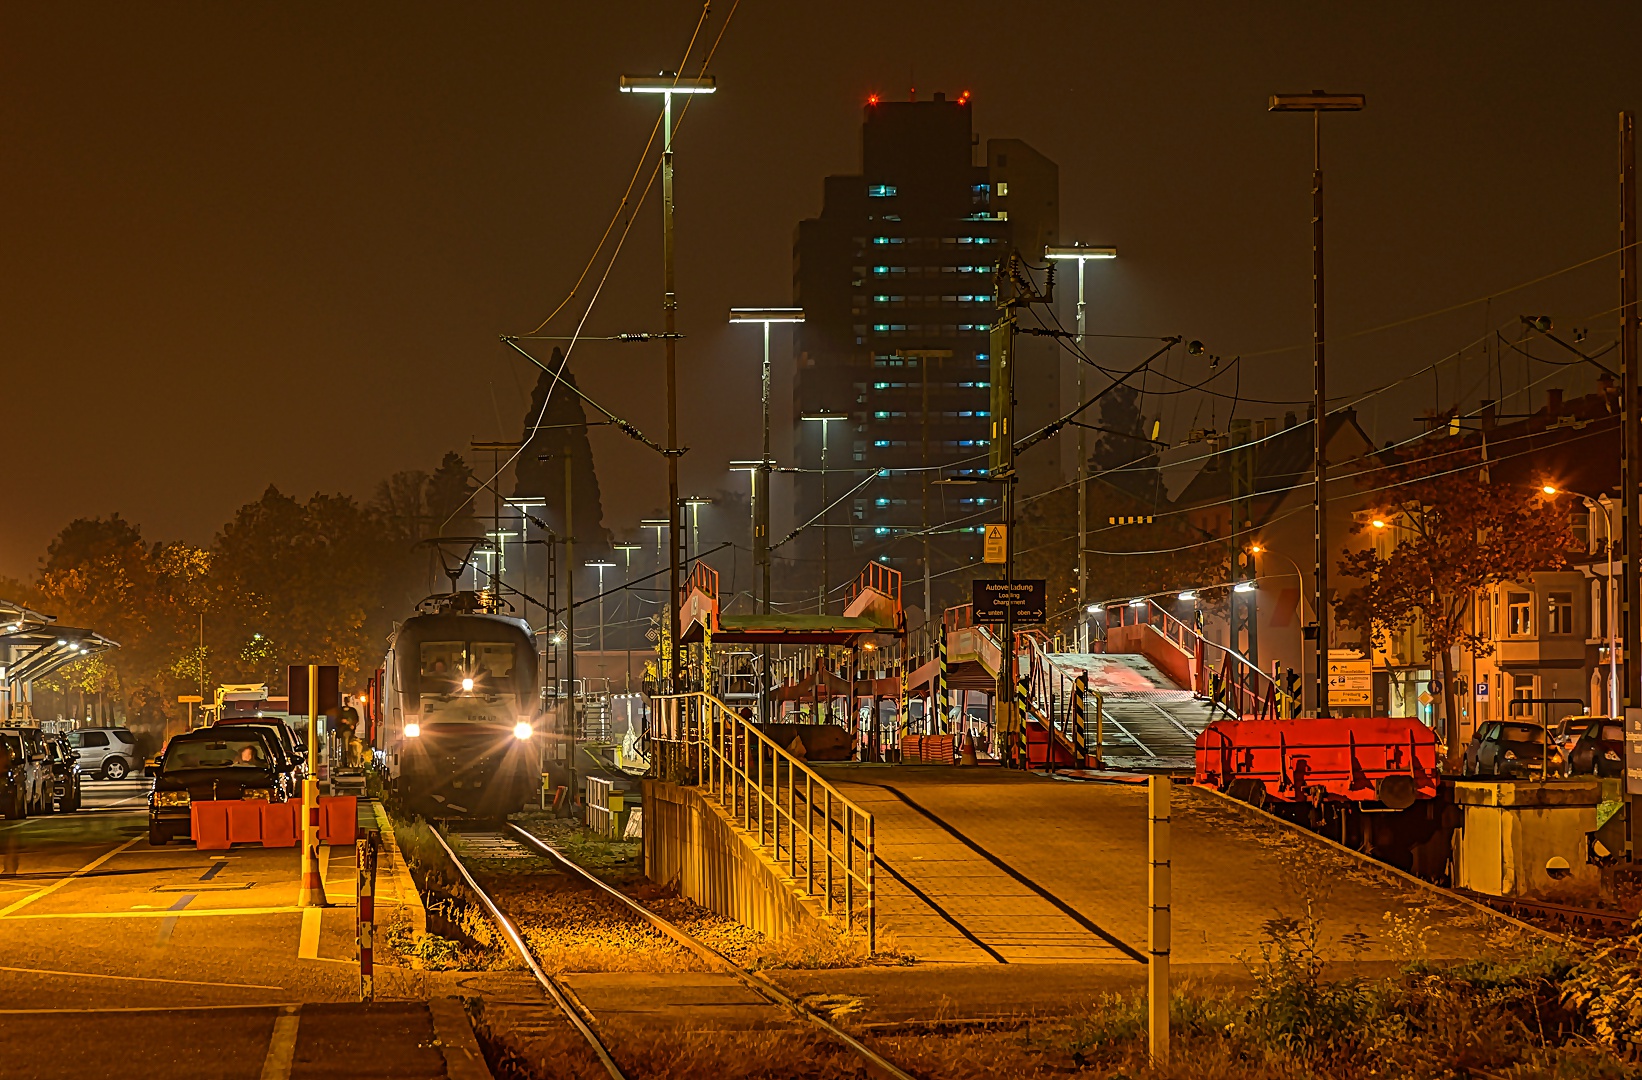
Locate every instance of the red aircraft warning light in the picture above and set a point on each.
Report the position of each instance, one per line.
(872, 99)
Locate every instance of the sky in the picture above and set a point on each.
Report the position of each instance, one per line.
(252, 244)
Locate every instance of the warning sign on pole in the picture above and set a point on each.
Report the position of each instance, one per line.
(997, 545)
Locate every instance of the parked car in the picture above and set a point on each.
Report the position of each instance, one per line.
(284, 744)
(15, 797)
(211, 763)
(1599, 749)
(29, 757)
(105, 752)
(295, 749)
(1512, 750)
(65, 770)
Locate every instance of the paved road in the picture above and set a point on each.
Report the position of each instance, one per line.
(128, 794)
(989, 866)
(196, 963)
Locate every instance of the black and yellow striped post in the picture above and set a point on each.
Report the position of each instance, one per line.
(1080, 746)
(1022, 697)
(942, 704)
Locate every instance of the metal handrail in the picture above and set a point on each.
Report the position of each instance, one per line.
(825, 842)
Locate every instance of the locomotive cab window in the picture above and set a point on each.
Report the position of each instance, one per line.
(443, 663)
(492, 667)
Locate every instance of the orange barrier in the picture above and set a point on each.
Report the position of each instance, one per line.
(339, 819)
(280, 823)
(208, 824)
(244, 821)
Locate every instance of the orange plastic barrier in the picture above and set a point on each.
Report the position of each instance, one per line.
(244, 821)
(280, 823)
(338, 819)
(208, 823)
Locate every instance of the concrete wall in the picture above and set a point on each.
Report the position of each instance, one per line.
(1146, 640)
(690, 842)
(1511, 830)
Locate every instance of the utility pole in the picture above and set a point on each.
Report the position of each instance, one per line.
(667, 86)
(1316, 103)
(1631, 468)
(570, 624)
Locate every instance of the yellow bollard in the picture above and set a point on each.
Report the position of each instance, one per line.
(1157, 968)
(312, 891)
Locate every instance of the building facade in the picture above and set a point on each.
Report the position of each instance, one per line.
(897, 280)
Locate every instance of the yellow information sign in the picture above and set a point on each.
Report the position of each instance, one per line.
(1350, 679)
(997, 545)
(190, 699)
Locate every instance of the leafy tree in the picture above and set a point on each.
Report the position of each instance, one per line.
(1122, 450)
(1455, 534)
(450, 511)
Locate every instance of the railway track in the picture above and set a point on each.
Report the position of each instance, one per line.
(510, 841)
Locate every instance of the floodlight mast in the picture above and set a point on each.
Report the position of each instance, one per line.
(1082, 254)
(761, 490)
(667, 86)
(1317, 103)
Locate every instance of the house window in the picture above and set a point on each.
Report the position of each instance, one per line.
(1519, 614)
(1559, 618)
(1003, 187)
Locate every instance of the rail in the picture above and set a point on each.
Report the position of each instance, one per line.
(826, 843)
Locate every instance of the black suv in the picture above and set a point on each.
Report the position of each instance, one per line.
(65, 773)
(211, 764)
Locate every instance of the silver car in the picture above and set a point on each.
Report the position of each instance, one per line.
(105, 752)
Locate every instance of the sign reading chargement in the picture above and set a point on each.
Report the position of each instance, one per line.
(1027, 599)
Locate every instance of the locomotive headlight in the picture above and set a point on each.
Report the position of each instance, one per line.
(522, 730)
(412, 730)
(467, 686)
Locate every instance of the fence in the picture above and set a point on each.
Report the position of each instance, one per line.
(824, 841)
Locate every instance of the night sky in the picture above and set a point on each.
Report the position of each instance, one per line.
(255, 242)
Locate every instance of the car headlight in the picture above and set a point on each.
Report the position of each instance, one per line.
(522, 730)
(413, 730)
(171, 798)
(265, 794)
(1610, 755)
(1510, 755)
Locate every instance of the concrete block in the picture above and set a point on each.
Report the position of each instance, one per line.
(1514, 833)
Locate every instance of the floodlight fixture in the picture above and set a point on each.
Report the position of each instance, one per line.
(1079, 252)
(1316, 101)
(766, 315)
(667, 84)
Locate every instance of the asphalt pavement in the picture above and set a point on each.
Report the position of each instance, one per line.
(118, 959)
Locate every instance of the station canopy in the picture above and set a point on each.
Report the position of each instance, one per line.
(33, 646)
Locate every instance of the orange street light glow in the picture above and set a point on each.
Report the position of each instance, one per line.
(1548, 489)
(1378, 524)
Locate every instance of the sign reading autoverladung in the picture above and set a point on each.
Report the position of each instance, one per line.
(1027, 599)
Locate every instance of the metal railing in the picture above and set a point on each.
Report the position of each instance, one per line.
(825, 842)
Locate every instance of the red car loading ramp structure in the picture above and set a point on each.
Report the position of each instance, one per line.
(874, 608)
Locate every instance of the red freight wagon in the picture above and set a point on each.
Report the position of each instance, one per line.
(1387, 760)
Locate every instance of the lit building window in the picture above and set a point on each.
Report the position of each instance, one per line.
(1559, 618)
(1003, 187)
(1519, 614)
(881, 191)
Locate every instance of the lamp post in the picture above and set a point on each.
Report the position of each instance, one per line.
(695, 503)
(599, 566)
(667, 86)
(1317, 103)
(1081, 255)
(823, 418)
(626, 606)
(761, 492)
(761, 539)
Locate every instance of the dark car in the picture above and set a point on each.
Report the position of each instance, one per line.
(24, 754)
(215, 764)
(1511, 750)
(65, 772)
(1599, 750)
(291, 748)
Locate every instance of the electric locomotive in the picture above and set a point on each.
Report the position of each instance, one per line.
(460, 708)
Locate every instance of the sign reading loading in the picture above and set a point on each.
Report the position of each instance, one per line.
(1027, 600)
(997, 545)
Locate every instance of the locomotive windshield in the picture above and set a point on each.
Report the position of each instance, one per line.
(480, 668)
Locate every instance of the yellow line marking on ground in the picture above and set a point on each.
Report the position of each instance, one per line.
(150, 1008)
(282, 1046)
(307, 947)
(137, 978)
(60, 882)
(160, 913)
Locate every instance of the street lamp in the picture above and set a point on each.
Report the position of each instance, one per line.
(823, 419)
(600, 566)
(1317, 103)
(667, 86)
(695, 503)
(761, 493)
(661, 525)
(1081, 254)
